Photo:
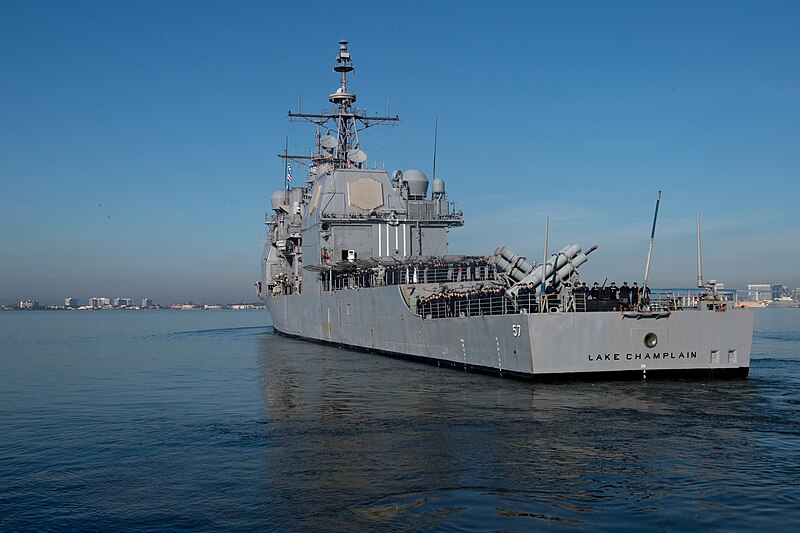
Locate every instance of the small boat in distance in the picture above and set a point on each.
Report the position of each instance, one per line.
(783, 301)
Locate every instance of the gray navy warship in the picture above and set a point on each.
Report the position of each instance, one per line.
(358, 258)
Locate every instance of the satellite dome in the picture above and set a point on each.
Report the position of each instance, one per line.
(417, 183)
(438, 186)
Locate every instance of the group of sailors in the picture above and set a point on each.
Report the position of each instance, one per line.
(351, 279)
(473, 302)
(418, 272)
(526, 297)
(495, 300)
(627, 296)
(436, 271)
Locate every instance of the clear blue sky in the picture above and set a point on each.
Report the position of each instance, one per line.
(138, 139)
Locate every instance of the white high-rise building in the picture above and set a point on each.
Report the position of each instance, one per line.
(70, 302)
(147, 302)
(99, 302)
(759, 291)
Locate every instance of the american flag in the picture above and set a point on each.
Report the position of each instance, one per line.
(289, 172)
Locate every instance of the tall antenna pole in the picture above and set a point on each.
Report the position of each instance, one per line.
(699, 256)
(650, 251)
(543, 304)
(286, 169)
(435, 138)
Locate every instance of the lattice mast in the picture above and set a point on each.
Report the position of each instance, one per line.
(340, 147)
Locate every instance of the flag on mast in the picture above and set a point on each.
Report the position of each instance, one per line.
(289, 172)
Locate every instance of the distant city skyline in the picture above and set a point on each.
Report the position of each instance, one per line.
(760, 291)
(138, 141)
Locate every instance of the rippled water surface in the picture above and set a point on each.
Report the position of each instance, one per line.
(159, 420)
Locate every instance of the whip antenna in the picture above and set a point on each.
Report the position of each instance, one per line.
(699, 256)
(435, 138)
(650, 251)
(286, 170)
(542, 307)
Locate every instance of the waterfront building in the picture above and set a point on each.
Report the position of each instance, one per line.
(778, 290)
(70, 302)
(29, 304)
(759, 291)
(123, 302)
(98, 302)
(147, 302)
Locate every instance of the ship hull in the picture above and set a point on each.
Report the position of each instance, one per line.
(588, 345)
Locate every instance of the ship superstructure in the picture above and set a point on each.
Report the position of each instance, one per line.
(349, 215)
(358, 257)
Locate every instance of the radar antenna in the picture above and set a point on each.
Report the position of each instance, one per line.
(341, 149)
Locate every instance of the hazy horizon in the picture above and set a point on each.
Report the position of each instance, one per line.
(138, 141)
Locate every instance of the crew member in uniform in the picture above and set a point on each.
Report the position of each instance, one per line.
(552, 293)
(595, 292)
(522, 298)
(625, 294)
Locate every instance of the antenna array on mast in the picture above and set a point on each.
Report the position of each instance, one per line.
(340, 146)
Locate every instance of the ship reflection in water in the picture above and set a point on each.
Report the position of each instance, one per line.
(167, 420)
(357, 441)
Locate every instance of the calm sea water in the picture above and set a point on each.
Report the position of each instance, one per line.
(159, 420)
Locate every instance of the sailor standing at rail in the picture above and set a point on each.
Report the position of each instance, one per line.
(522, 295)
(595, 292)
(625, 294)
(552, 293)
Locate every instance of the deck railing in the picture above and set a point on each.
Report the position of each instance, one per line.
(405, 275)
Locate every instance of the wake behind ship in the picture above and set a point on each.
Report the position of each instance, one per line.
(358, 258)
